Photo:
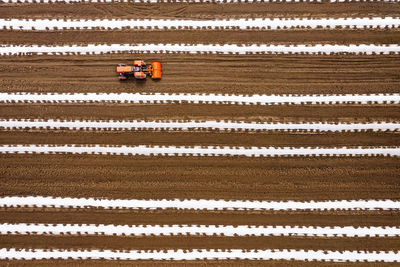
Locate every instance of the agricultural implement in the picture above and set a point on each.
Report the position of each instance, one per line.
(140, 70)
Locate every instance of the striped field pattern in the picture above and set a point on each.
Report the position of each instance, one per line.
(272, 138)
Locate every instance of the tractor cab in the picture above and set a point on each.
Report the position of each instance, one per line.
(139, 70)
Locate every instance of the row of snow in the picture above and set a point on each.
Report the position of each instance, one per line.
(210, 151)
(196, 125)
(196, 204)
(96, 49)
(138, 98)
(243, 24)
(209, 230)
(200, 254)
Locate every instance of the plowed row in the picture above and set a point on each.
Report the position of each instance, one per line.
(265, 74)
(298, 36)
(196, 177)
(295, 113)
(197, 11)
(147, 243)
(200, 138)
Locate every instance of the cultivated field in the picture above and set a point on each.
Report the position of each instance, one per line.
(271, 140)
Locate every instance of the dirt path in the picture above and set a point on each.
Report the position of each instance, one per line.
(200, 138)
(344, 113)
(191, 177)
(107, 242)
(198, 11)
(383, 36)
(190, 73)
(171, 216)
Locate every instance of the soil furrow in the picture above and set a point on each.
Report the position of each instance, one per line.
(171, 216)
(196, 177)
(350, 113)
(203, 37)
(265, 74)
(197, 11)
(268, 138)
(200, 242)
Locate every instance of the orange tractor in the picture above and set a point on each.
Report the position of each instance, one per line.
(139, 70)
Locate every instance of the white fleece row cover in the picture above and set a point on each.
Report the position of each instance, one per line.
(243, 24)
(201, 48)
(211, 151)
(195, 125)
(137, 98)
(201, 204)
(211, 254)
(225, 230)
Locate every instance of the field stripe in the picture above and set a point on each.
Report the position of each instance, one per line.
(209, 230)
(188, 1)
(96, 49)
(195, 125)
(212, 151)
(157, 98)
(285, 254)
(195, 204)
(171, 24)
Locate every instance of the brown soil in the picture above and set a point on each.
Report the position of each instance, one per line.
(349, 113)
(196, 177)
(128, 177)
(223, 217)
(265, 74)
(200, 138)
(203, 37)
(198, 11)
(199, 242)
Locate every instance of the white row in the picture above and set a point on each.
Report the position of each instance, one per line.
(210, 151)
(188, 1)
(96, 49)
(138, 98)
(196, 125)
(197, 204)
(203, 254)
(209, 230)
(243, 24)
